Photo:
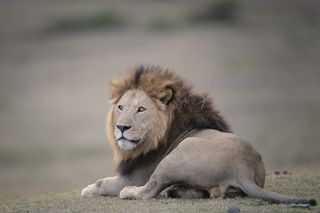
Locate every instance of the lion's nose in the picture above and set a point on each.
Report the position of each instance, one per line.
(123, 128)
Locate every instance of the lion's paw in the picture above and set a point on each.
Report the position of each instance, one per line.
(90, 191)
(129, 192)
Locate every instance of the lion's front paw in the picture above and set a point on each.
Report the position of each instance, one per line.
(90, 191)
(129, 192)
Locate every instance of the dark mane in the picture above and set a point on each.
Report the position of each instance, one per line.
(190, 111)
(140, 70)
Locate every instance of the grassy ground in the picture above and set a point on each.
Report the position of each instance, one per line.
(301, 185)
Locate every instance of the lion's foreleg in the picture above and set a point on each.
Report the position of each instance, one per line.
(110, 186)
(158, 181)
(151, 189)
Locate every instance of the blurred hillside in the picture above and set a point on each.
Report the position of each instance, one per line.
(259, 60)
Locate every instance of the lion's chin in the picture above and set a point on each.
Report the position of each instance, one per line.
(126, 144)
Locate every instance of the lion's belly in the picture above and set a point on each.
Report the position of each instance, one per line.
(207, 162)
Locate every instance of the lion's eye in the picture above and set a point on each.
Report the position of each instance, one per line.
(141, 109)
(120, 107)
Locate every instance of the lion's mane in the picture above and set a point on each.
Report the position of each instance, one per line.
(187, 110)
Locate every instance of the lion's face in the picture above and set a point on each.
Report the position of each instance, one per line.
(138, 120)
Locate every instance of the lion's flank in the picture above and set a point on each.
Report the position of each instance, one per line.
(187, 109)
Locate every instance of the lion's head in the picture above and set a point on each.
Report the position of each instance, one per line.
(139, 116)
(151, 107)
(139, 120)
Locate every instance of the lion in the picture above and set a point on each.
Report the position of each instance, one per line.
(165, 134)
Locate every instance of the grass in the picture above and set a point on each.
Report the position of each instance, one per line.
(222, 11)
(162, 24)
(104, 19)
(218, 11)
(301, 185)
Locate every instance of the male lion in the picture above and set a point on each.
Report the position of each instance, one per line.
(164, 133)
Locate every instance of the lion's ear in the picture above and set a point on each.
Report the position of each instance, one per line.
(166, 96)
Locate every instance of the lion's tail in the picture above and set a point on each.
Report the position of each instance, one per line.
(252, 190)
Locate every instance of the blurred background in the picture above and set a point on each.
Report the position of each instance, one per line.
(258, 59)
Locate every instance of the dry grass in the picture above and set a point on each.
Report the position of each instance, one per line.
(304, 185)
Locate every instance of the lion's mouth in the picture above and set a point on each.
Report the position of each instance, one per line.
(126, 139)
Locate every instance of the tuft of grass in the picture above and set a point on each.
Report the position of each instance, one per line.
(218, 11)
(301, 185)
(105, 19)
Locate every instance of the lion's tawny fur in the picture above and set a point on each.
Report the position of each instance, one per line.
(164, 133)
(184, 109)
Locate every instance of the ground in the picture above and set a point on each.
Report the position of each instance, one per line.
(300, 185)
